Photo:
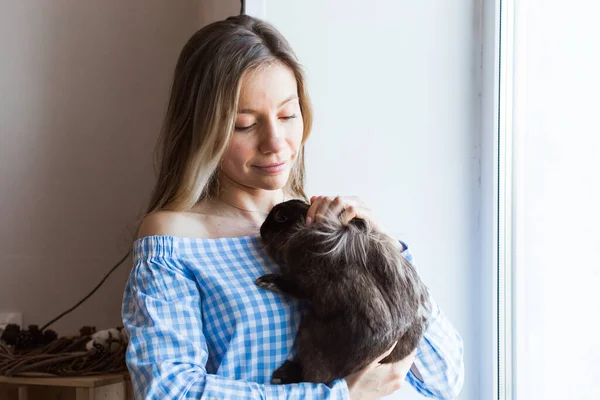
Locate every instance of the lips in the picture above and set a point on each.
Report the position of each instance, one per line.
(271, 168)
(271, 165)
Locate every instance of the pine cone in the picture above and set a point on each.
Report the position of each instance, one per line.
(11, 334)
(38, 337)
(26, 339)
(49, 336)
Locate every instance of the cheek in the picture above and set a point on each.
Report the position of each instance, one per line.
(295, 137)
(238, 153)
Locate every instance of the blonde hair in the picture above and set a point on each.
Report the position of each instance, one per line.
(202, 109)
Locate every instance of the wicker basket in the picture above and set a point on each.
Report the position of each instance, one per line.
(66, 356)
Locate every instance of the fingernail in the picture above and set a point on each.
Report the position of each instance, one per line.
(308, 220)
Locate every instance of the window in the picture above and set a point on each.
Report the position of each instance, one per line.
(547, 232)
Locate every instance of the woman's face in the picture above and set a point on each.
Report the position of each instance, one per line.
(268, 130)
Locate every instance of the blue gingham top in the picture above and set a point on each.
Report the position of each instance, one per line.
(199, 328)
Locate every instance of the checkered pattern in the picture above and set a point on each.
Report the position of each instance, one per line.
(200, 328)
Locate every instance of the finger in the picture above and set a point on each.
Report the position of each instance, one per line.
(350, 212)
(399, 370)
(324, 206)
(397, 385)
(410, 358)
(312, 210)
(337, 206)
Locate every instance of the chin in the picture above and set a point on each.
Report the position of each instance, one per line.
(274, 183)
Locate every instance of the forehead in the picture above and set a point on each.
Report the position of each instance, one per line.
(267, 86)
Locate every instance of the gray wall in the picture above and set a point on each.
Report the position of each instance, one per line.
(83, 88)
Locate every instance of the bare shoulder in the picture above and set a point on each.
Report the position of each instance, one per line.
(173, 223)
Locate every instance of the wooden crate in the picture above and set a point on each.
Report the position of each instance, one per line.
(105, 387)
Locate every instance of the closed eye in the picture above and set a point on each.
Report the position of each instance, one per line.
(244, 128)
(247, 128)
(280, 217)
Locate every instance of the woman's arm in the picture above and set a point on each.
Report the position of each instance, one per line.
(167, 350)
(438, 370)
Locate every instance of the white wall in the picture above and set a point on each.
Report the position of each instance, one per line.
(83, 88)
(395, 91)
(557, 198)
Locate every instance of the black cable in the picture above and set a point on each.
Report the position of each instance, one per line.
(91, 293)
(242, 7)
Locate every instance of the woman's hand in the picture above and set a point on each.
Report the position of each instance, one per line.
(379, 380)
(346, 207)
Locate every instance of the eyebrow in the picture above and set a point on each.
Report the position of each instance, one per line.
(251, 111)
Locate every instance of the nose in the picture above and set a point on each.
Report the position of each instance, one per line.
(272, 137)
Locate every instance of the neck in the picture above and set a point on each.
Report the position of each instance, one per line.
(257, 203)
(252, 205)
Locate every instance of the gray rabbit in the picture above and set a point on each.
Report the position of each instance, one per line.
(362, 295)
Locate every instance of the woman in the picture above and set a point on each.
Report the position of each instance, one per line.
(231, 148)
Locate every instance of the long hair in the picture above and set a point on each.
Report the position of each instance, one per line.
(200, 117)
